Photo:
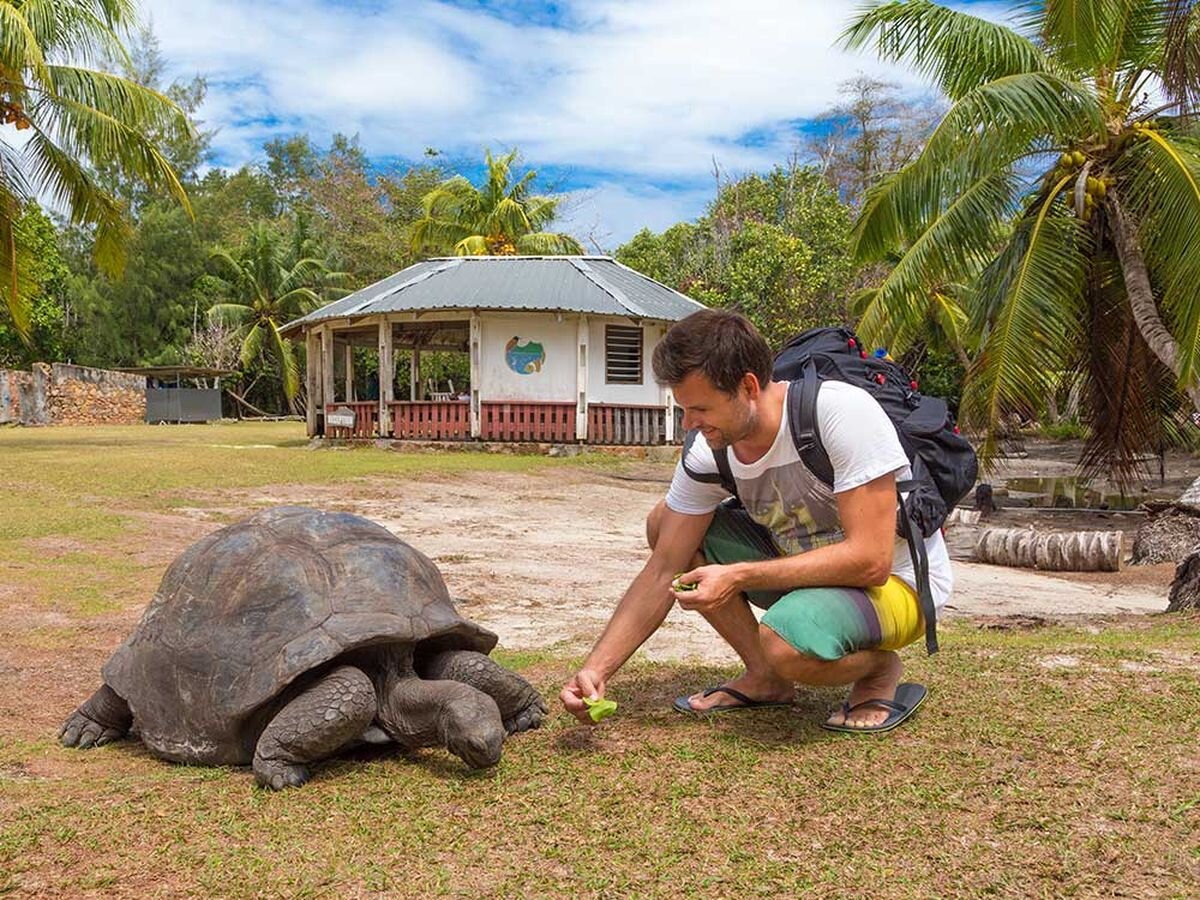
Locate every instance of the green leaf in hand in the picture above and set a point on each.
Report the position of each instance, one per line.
(600, 709)
(680, 586)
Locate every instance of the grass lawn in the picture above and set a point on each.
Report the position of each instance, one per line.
(1048, 762)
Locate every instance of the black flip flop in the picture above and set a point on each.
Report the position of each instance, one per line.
(909, 696)
(743, 702)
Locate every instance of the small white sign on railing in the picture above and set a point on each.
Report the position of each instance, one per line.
(342, 417)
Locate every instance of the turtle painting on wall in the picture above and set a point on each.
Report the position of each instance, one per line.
(288, 637)
(524, 358)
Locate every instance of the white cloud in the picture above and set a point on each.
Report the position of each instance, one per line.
(643, 91)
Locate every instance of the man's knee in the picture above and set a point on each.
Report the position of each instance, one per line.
(654, 522)
(788, 662)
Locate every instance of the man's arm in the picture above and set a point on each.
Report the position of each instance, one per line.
(863, 559)
(641, 610)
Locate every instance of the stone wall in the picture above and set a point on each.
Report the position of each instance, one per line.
(61, 394)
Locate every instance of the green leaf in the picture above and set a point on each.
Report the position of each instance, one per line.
(600, 709)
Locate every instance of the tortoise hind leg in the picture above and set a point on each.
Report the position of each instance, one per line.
(521, 706)
(316, 724)
(101, 718)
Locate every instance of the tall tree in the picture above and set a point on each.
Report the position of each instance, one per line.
(501, 218)
(1064, 197)
(872, 131)
(66, 119)
(773, 246)
(269, 282)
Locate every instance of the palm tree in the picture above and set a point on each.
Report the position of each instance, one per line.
(1062, 187)
(273, 281)
(67, 119)
(500, 219)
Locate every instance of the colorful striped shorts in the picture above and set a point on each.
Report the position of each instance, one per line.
(822, 622)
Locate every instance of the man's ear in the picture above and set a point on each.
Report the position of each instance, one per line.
(751, 386)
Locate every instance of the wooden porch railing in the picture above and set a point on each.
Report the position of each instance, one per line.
(366, 419)
(431, 421)
(527, 421)
(612, 424)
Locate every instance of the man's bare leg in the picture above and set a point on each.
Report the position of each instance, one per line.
(736, 624)
(874, 675)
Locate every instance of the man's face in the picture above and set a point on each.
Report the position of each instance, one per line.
(722, 418)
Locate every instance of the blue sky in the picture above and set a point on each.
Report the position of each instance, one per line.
(623, 105)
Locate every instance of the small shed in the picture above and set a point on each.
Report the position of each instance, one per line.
(182, 393)
(559, 350)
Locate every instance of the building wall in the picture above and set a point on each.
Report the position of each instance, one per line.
(544, 353)
(551, 373)
(61, 394)
(648, 393)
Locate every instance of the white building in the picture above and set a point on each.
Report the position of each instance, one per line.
(559, 350)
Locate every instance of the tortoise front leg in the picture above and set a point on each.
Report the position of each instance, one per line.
(521, 707)
(314, 725)
(101, 718)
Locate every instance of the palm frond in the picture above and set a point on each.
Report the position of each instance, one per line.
(89, 133)
(1179, 69)
(284, 353)
(547, 243)
(473, 245)
(19, 47)
(1123, 382)
(1036, 285)
(252, 343)
(63, 179)
(958, 51)
(76, 31)
(958, 240)
(1083, 34)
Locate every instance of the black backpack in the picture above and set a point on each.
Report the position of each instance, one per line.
(942, 461)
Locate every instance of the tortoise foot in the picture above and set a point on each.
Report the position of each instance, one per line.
(277, 775)
(526, 719)
(102, 718)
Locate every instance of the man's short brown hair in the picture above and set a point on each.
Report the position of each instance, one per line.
(722, 345)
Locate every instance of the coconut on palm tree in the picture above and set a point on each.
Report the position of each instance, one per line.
(501, 218)
(59, 120)
(269, 282)
(1062, 189)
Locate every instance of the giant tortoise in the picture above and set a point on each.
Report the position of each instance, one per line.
(282, 639)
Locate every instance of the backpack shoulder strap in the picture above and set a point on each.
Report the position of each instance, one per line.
(802, 417)
(724, 474)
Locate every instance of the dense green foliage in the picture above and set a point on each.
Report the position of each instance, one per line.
(774, 247)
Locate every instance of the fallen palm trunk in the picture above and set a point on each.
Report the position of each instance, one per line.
(1056, 551)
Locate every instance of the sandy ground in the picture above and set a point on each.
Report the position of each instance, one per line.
(543, 558)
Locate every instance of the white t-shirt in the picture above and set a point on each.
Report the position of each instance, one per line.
(799, 510)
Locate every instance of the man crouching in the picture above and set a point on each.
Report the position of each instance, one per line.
(825, 563)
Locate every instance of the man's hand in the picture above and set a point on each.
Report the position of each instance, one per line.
(586, 683)
(715, 586)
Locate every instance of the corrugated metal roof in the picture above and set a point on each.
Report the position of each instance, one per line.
(587, 284)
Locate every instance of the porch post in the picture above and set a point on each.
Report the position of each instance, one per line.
(349, 369)
(581, 383)
(327, 395)
(387, 374)
(414, 373)
(476, 364)
(668, 401)
(312, 379)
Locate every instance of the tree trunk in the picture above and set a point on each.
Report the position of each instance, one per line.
(1141, 296)
(1075, 551)
(1185, 589)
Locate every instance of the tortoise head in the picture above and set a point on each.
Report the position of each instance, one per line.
(471, 729)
